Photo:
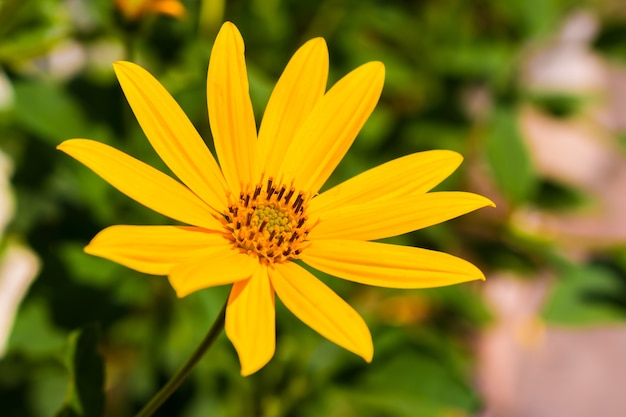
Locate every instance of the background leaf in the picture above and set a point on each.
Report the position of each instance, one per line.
(508, 157)
(86, 397)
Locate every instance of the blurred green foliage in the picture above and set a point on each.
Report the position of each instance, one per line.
(56, 56)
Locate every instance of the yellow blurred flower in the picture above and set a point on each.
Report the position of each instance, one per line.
(135, 9)
(259, 210)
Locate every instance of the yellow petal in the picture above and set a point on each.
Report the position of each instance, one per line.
(172, 135)
(325, 136)
(387, 265)
(173, 8)
(251, 322)
(321, 309)
(411, 174)
(224, 265)
(299, 88)
(154, 249)
(230, 109)
(395, 215)
(142, 183)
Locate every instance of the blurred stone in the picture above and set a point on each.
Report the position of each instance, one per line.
(562, 373)
(63, 62)
(582, 155)
(18, 268)
(580, 151)
(567, 64)
(611, 114)
(18, 265)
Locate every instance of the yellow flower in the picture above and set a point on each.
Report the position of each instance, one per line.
(135, 9)
(259, 210)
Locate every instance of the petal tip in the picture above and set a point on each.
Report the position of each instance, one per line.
(318, 42)
(477, 275)
(247, 371)
(455, 156)
(489, 203)
(180, 289)
(377, 67)
(368, 356)
(120, 65)
(482, 201)
(231, 29)
(89, 249)
(68, 145)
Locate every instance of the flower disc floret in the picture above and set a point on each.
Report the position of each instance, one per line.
(268, 222)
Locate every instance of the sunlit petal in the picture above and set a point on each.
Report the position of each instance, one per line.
(154, 249)
(291, 102)
(395, 215)
(321, 309)
(230, 109)
(142, 183)
(409, 175)
(387, 265)
(251, 321)
(333, 124)
(172, 135)
(224, 265)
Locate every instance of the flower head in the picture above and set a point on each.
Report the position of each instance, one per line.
(135, 9)
(259, 210)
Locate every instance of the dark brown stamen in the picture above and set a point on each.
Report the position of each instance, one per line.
(281, 192)
(298, 202)
(288, 196)
(257, 191)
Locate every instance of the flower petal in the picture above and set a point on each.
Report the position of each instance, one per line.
(385, 265)
(299, 88)
(251, 321)
(230, 109)
(154, 249)
(172, 135)
(395, 215)
(411, 174)
(320, 308)
(325, 136)
(224, 265)
(172, 8)
(142, 183)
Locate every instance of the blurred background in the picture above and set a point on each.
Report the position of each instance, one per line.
(532, 93)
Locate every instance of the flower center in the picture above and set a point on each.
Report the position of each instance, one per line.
(269, 222)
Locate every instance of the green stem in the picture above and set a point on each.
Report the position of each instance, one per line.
(184, 371)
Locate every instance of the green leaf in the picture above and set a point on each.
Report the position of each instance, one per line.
(412, 385)
(509, 159)
(28, 44)
(86, 397)
(34, 334)
(47, 110)
(583, 296)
